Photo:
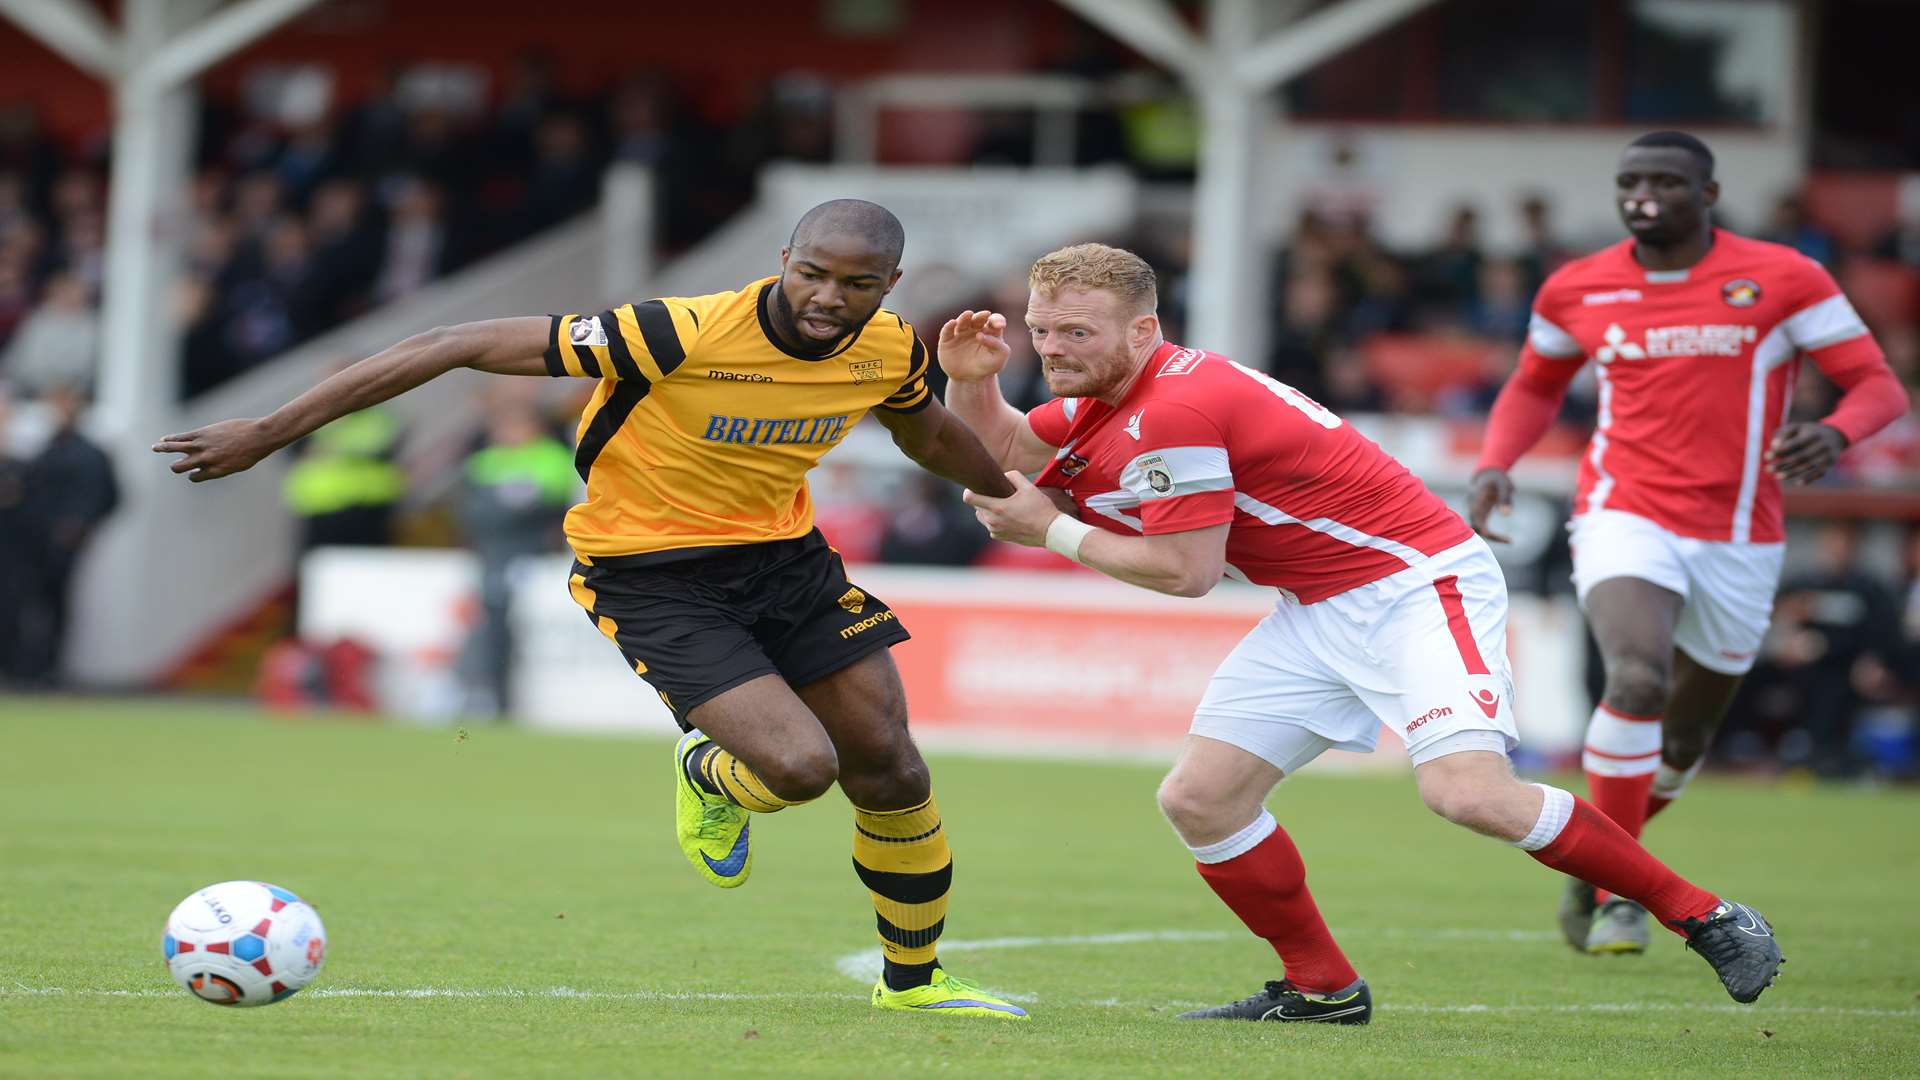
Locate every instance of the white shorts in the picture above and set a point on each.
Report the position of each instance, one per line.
(1728, 587)
(1423, 652)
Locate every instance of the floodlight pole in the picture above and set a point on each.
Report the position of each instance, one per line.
(1229, 75)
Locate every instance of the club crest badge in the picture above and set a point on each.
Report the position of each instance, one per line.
(1741, 292)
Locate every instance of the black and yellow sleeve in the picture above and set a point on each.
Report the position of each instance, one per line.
(914, 394)
(641, 342)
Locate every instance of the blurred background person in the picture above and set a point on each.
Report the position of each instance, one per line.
(59, 342)
(17, 547)
(346, 481)
(71, 489)
(1831, 619)
(931, 527)
(514, 495)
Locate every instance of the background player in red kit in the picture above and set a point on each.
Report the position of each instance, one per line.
(1190, 466)
(1696, 336)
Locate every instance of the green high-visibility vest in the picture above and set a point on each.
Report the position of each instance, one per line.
(543, 462)
(346, 466)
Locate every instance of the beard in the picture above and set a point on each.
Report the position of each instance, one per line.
(789, 320)
(1097, 378)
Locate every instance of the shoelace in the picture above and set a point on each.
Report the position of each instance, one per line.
(1714, 946)
(955, 982)
(715, 819)
(1275, 989)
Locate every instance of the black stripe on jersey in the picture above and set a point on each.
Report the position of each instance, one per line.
(613, 413)
(926, 399)
(617, 347)
(555, 367)
(916, 384)
(917, 366)
(589, 363)
(663, 341)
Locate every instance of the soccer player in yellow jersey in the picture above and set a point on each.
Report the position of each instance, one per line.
(695, 550)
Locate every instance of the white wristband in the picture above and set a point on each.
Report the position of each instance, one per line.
(1065, 535)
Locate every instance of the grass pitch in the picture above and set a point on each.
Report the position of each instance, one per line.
(512, 904)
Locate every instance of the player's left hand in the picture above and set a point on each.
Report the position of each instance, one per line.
(217, 450)
(1020, 518)
(1802, 453)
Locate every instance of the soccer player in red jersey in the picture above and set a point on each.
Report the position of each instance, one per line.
(1187, 466)
(1696, 336)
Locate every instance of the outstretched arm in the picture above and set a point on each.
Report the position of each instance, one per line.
(514, 346)
(973, 350)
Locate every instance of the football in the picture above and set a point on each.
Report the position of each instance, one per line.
(243, 943)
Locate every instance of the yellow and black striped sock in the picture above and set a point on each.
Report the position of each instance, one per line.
(903, 859)
(720, 773)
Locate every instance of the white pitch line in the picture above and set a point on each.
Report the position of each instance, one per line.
(564, 993)
(445, 992)
(1654, 1006)
(865, 964)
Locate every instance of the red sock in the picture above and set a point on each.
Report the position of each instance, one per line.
(1655, 804)
(1622, 752)
(1267, 887)
(1594, 849)
(1622, 798)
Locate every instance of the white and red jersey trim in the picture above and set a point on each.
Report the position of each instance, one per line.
(1314, 507)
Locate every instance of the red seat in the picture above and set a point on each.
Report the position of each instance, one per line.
(1413, 368)
(1883, 292)
(1856, 207)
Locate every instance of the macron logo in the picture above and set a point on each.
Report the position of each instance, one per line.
(1133, 425)
(1617, 296)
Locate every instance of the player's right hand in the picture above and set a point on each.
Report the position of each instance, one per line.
(973, 345)
(217, 450)
(1489, 488)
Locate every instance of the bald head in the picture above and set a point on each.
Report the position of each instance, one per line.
(871, 223)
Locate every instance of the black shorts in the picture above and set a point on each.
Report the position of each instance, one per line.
(697, 627)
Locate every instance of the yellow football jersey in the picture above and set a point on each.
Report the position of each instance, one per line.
(703, 427)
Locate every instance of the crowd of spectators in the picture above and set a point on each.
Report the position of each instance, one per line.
(304, 211)
(301, 216)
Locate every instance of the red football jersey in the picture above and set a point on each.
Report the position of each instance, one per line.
(1696, 370)
(1315, 507)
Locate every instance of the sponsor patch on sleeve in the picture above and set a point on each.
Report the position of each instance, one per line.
(587, 331)
(1158, 475)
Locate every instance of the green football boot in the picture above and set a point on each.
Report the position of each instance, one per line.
(714, 833)
(948, 994)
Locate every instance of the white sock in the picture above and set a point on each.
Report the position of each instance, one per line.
(1669, 782)
(1239, 843)
(1619, 745)
(1555, 811)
